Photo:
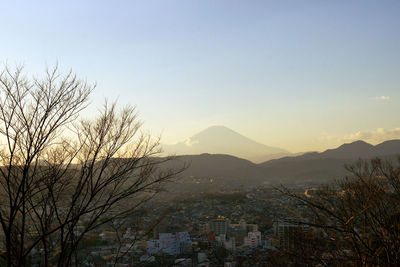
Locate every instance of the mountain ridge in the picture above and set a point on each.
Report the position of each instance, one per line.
(314, 167)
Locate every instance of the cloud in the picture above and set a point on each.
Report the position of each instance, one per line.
(374, 136)
(190, 143)
(382, 97)
(327, 137)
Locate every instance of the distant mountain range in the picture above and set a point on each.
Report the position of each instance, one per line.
(359, 149)
(222, 140)
(226, 170)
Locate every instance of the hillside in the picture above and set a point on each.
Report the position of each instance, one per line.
(229, 171)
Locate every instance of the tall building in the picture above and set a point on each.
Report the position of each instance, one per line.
(219, 226)
(286, 234)
(253, 239)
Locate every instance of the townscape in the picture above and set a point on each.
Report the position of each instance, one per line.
(196, 230)
(200, 133)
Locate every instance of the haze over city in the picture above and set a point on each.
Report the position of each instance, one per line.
(299, 75)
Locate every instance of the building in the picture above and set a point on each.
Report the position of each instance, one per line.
(153, 246)
(219, 226)
(238, 234)
(252, 240)
(234, 232)
(230, 244)
(286, 234)
(170, 243)
(245, 226)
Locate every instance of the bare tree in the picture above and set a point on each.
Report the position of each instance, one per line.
(354, 222)
(61, 178)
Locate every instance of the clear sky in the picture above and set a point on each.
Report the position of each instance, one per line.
(301, 75)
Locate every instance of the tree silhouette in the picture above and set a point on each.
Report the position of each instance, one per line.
(61, 177)
(355, 221)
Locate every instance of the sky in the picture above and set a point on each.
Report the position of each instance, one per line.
(300, 75)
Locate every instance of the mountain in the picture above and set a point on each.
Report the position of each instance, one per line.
(210, 165)
(222, 140)
(358, 149)
(230, 172)
(351, 150)
(390, 147)
(327, 165)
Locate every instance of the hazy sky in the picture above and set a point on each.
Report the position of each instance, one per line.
(301, 75)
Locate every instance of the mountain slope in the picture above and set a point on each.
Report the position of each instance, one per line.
(356, 150)
(326, 165)
(390, 147)
(222, 140)
(228, 171)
